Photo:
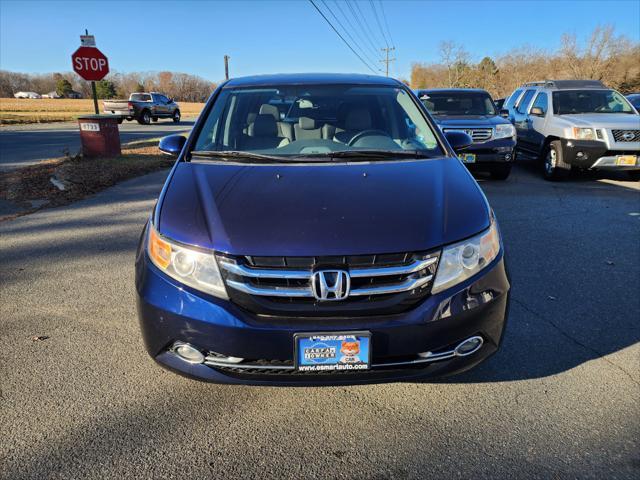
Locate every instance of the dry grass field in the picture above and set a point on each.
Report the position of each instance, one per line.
(27, 110)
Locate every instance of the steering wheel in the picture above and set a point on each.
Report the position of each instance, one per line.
(366, 133)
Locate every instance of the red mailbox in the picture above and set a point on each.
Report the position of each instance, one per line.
(100, 136)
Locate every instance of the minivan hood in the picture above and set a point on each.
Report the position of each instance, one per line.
(322, 209)
(469, 120)
(621, 121)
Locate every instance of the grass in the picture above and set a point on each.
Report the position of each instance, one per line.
(26, 110)
(81, 177)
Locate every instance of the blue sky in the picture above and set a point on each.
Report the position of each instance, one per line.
(285, 36)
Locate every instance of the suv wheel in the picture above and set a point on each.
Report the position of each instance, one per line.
(500, 172)
(552, 161)
(176, 116)
(145, 118)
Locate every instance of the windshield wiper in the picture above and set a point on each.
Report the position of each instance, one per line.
(238, 155)
(374, 154)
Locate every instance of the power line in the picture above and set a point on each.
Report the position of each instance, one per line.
(372, 45)
(357, 32)
(341, 37)
(375, 13)
(355, 43)
(384, 16)
(364, 18)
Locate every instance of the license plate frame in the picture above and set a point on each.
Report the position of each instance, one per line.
(334, 360)
(468, 157)
(627, 160)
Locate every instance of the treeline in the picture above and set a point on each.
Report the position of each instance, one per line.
(605, 56)
(181, 86)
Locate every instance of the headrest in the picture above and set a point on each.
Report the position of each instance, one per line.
(264, 126)
(266, 109)
(307, 123)
(358, 119)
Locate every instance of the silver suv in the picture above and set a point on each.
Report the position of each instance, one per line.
(575, 123)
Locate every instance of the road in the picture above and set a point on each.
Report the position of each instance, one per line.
(24, 145)
(559, 400)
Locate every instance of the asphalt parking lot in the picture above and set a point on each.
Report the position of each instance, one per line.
(559, 400)
(22, 145)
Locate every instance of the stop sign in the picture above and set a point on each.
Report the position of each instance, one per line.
(90, 63)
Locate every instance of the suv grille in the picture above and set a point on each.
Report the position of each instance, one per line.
(626, 135)
(379, 284)
(478, 135)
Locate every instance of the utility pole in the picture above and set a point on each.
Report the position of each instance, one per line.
(226, 67)
(387, 60)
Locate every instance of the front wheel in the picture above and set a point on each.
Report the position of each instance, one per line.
(500, 172)
(176, 116)
(120, 120)
(552, 161)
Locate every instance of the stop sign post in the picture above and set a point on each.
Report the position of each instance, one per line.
(91, 64)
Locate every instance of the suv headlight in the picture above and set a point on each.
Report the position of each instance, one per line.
(196, 268)
(464, 259)
(505, 131)
(584, 133)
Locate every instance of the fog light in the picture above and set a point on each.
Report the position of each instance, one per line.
(188, 353)
(469, 346)
(579, 154)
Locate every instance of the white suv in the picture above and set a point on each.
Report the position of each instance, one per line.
(575, 123)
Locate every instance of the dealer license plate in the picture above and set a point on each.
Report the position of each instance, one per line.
(468, 157)
(626, 160)
(322, 352)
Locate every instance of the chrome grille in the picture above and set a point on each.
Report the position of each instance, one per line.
(626, 135)
(478, 135)
(278, 284)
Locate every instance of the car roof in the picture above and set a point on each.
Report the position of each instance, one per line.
(310, 79)
(566, 84)
(450, 90)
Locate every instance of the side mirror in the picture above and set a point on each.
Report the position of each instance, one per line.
(537, 111)
(172, 145)
(458, 140)
(504, 113)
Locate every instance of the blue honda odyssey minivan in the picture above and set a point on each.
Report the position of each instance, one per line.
(319, 229)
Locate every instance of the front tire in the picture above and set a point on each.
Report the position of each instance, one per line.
(144, 118)
(551, 162)
(500, 172)
(634, 175)
(176, 116)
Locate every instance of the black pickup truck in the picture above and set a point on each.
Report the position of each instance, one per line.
(473, 112)
(143, 107)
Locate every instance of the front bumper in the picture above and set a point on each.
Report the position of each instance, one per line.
(169, 312)
(589, 154)
(491, 153)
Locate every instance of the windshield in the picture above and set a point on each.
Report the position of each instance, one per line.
(316, 120)
(458, 103)
(567, 102)
(140, 97)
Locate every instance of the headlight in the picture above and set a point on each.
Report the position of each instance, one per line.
(195, 268)
(505, 131)
(584, 133)
(463, 260)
